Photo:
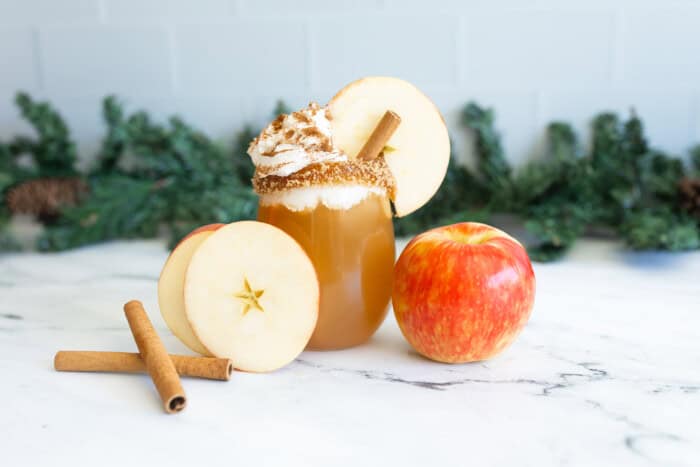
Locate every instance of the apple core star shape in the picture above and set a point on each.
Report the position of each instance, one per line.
(250, 297)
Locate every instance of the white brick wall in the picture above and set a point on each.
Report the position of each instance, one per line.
(220, 63)
(95, 60)
(241, 57)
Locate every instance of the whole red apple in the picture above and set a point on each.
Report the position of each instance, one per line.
(462, 292)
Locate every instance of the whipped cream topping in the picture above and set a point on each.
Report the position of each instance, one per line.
(294, 141)
(332, 197)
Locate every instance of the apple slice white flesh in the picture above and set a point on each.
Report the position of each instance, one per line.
(171, 285)
(251, 295)
(419, 149)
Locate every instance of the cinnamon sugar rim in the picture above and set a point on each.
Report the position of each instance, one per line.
(374, 173)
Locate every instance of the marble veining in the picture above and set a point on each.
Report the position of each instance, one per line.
(607, 372)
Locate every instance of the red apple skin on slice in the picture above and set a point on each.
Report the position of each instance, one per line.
(419, 149)
(171, 284)
(251, 295)
(205, 228)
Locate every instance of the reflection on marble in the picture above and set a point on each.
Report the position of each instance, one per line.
(607, 372)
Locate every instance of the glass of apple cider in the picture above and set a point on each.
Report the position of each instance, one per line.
(337, 207)
(341, 216)
(323, 175)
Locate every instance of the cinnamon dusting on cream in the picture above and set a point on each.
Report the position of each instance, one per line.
(296, 151)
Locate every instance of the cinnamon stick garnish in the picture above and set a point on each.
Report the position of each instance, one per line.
(380, 136)
(126, 362)
(155, 357)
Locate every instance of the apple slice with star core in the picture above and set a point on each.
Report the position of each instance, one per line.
(251, 295)
(171, 285)
(419, 150)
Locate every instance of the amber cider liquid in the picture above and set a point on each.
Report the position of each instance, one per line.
(353, 252)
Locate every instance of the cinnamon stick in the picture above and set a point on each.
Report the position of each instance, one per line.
(126, 362)
(155, 357)
(380, 136)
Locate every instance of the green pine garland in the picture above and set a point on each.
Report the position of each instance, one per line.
(622, 185)
(148, 176)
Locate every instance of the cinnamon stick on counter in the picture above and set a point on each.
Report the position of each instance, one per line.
(380, 136)
(155, 357)
(126, 362)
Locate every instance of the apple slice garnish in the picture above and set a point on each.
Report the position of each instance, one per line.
(171, 285)
(419, 150)
(251, 295)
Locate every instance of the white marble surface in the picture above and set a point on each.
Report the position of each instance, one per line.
(607, 372)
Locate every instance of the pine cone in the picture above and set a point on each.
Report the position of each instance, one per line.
(689, 189)
(45, 197)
